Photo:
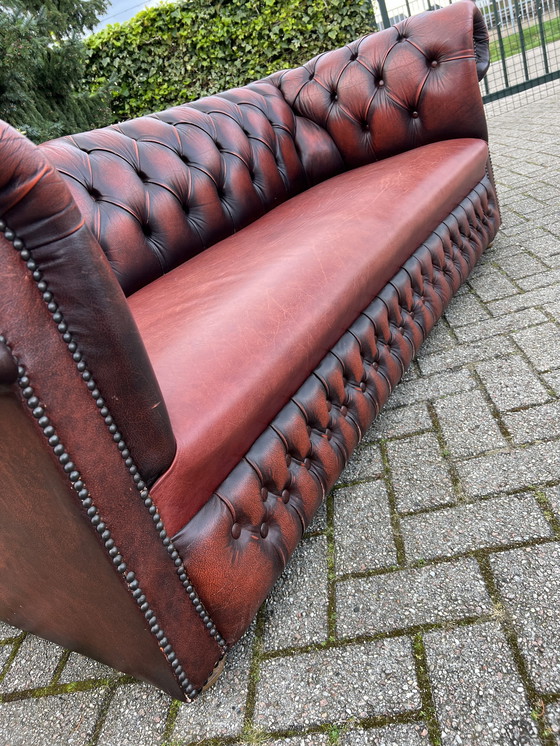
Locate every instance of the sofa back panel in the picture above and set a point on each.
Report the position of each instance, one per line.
(158, 190)
(76, 281)
(412, 84)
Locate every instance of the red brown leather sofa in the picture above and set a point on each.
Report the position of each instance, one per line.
(201, 312)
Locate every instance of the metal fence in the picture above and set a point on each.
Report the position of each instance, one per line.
(524, 44)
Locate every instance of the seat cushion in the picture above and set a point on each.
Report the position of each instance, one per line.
(235, 331)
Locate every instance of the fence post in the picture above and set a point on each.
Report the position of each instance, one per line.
(543, 40)
(384, 15)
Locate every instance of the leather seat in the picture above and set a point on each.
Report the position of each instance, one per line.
(266, 304)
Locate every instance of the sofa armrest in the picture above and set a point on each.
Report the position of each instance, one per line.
(412, 84)
(57, 281)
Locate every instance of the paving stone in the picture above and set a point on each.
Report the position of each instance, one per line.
(5, 652)
(488, 523)
(136, 717)
(541, 280)
(393, 423)
(553, 380)
(491, 284)
(438, 339)
(363, 680)
(510, 471)
(511, 383)
(501, 325)
(313, 739)
(296, 610)
(468, 425)
(221, 710)
(363, 536)
(430, 387)
(464, 354)
(521, 265)
(319, 521)
(542, 346)
(478, 695)
(80, 668)
(6, 630)
(407, 598)
(553, 718)
(33, 666)
(553, 496)
(390, 735)
(465, 308)
(528, 580)
(537, 423)
(365, 463)
(62, 720)
(530, 299)
(419, 474)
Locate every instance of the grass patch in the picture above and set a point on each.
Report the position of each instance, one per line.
(531, 38)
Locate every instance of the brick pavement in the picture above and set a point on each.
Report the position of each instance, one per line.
(423, 606)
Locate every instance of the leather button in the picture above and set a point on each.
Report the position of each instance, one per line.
(236, 530)
(434, 63)
(329, 405)
(415, 115)
(363, 385)
(264, 493)
(307, 463)
(328, 433)
(285, 497)
(381, 83)
(288, 459)
(264, 530)
(343, 411)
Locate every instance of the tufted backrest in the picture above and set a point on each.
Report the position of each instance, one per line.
(157, 190)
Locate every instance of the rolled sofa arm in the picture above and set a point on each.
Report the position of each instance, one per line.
(81, 428)
(68, 286)
(412, 84)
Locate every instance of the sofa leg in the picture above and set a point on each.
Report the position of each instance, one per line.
(216, 673)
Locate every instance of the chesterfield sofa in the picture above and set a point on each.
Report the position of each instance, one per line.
(201, 313)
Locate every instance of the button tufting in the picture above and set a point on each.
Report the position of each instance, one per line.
(434, 63)
(264, 530)
(381, 83)
(236, 530)
(415, 115)
(343, 410)
(363, 385)
(328, 433)
(285, 497)
(288, 459)
(307, 463)
(329, 405)
(264, 493)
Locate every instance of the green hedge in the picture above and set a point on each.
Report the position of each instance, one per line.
(178, 52)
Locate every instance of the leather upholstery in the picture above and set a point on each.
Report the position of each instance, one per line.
(247, 320)
(62, 396)
(36, 204)
(156, 191)
(153, 193)
(242, 538)
(56, 580)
